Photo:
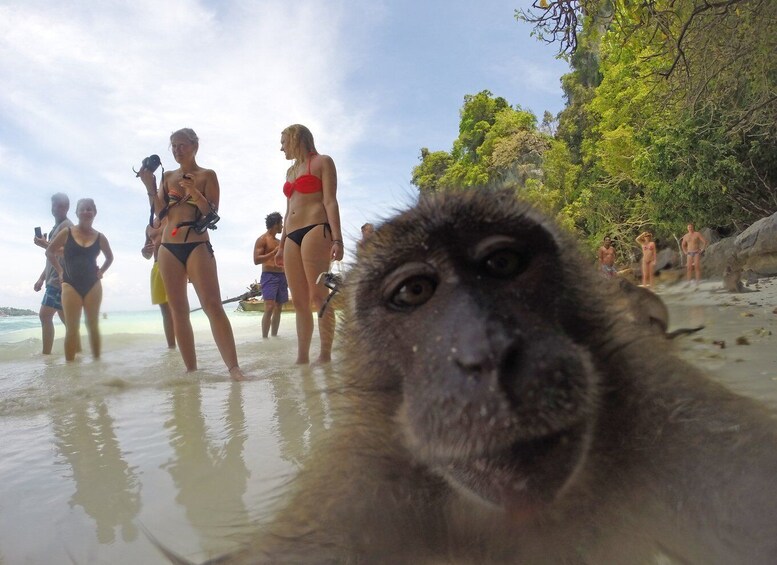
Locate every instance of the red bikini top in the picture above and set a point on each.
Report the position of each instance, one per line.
(306, 184)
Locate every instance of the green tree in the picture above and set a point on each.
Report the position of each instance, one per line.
(497, 144)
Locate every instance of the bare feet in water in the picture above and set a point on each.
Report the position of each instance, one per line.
(237, 374)
(322, 360)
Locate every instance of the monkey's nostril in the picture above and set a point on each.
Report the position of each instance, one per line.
(474, 361)
(481, 360)
(510, 370)
(511, 357)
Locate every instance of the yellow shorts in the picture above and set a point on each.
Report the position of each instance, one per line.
(158, 294)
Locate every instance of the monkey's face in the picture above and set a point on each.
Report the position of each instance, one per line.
(470, 305)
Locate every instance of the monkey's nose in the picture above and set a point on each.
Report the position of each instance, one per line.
(498, 353)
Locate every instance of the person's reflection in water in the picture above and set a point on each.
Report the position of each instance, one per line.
(210, 474)
(301, 411)
(106, 487)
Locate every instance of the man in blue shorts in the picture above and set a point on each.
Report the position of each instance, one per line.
(607, 258)
(275, 290)
(60, 204)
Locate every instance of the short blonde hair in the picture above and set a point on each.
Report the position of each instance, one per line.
(189, 134)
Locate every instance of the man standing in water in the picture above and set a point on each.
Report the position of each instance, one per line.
(158, 293)
(52, 296)
(607, 258)
(693, 245)
(275, 290)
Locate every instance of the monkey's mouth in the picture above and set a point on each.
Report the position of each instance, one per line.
(524, 477)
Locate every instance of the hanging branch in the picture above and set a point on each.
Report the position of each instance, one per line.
(557, 21)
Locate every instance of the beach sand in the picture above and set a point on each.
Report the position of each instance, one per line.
(738, 343)
(94, 452)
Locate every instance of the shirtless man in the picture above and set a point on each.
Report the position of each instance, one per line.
(275, 290)
(693, 245)
(52, 297)
(607, 258)
(158, 293)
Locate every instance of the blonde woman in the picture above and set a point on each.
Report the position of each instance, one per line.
(311, 236)
(81, 244)
(186, 197)
(645, 240)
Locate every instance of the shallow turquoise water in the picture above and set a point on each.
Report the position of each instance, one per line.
(91, 452)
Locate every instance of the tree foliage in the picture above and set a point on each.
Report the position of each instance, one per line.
(670, 117)
(671, 109)
(497, 144)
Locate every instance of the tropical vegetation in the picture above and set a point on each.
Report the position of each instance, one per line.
(670, 118)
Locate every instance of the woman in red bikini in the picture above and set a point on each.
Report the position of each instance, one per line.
(311, 236)
(186, 195)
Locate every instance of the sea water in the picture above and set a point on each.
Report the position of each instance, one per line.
(93, 452)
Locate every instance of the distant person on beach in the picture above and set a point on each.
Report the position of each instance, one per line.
(189, 198)
(645, 240)
(81, 278)
(52, 296)
(275, 289)
(367, 230)
(693, 245)
(311, 236)
(158, 293)
(607, 258)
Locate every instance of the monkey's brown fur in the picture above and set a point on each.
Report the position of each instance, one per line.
(497, 407)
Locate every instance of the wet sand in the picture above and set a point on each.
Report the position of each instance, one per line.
(738, 345)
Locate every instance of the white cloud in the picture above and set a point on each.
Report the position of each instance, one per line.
(89, 89)
(89, 92)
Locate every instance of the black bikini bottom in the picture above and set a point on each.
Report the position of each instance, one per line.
(298, 235)
(183, 250)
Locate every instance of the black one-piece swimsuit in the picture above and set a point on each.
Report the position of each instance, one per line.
(80, 268)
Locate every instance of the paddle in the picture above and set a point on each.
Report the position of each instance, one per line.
(255, 290)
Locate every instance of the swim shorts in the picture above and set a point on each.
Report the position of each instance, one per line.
(609, 271)
(274, 287)
(158, 293)
(52, 297)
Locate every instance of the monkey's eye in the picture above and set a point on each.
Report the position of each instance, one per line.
(410, 286)
(413, 292)
(504, 263)
(500, 257)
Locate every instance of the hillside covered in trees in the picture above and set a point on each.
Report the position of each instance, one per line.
(671, 117)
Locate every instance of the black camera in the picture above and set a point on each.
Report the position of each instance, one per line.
(208, 221)
(150, 163)
(331, 281)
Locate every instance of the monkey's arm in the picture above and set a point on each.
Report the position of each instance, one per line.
(704, 463)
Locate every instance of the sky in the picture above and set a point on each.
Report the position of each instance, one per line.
(88, 89)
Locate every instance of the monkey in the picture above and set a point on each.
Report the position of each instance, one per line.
(643, 306)
(732, 277)
(750, 277)
(495, 406)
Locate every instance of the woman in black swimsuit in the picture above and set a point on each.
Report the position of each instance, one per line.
(311, 236)
(80, 276)
(185, 196)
